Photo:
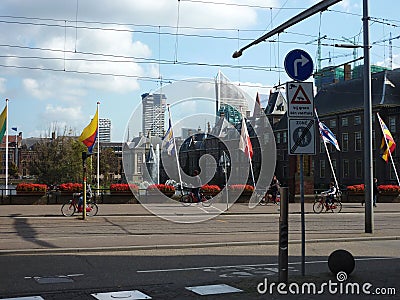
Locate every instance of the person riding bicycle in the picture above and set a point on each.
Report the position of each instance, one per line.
(197, 184)
(330, 194)
(89, 195)
(273, 189)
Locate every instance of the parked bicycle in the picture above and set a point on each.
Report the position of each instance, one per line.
(188, 198)
(71, 207)
(320, 203)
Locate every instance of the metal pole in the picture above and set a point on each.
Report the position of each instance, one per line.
(303, 223)
(369, 220)
(283, 235)
(226, 179)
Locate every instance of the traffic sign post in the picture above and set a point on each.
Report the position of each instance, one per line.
(299, 65)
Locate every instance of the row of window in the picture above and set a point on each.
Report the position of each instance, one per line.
(391, 122)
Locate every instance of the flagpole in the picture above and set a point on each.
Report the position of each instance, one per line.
(98, 150)
(158, 162)
(176, 149)
(388, 149)
(327, 153)
(6, 146)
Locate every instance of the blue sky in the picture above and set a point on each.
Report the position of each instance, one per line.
(58, 58)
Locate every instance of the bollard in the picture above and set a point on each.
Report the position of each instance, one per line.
(341, 261)
(283, 235)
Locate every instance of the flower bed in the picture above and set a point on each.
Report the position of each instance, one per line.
(31, 187)
(71, 187)
(210, 189)
(123, 187)
(244, 188)
(163, 188)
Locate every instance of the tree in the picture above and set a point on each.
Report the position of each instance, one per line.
(58, 160)
(108, 165)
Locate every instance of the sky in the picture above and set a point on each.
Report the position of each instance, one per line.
(59, 58)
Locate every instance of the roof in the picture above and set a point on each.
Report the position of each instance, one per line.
(349, 95)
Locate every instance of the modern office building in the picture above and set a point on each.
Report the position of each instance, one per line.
(153, 109)
(104, 130)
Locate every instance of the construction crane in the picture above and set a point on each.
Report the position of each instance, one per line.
(336, 56)
(390, 39)
(355, 54)
(318, 49)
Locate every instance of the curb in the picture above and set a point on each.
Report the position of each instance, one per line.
(185, 246)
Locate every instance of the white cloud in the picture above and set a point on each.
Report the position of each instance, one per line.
(3, 85)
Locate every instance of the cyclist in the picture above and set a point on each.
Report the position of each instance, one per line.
(197, 184)
(330, 194)
(89, 195)
(273, 189)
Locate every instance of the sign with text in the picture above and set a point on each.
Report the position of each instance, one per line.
(300, 99)
(301, 136)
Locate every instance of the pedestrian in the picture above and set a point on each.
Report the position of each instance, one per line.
(196, 189)
(273, 189)
(375, 191)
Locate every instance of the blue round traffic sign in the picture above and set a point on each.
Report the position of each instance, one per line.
(299, 65)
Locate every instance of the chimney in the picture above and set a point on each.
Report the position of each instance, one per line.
(347, 72)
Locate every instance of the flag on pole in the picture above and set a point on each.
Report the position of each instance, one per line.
(245, 143)
(3, 123)
(89, 134)
(14, 128)
(168, 139)
(389, 144)
(327, 135)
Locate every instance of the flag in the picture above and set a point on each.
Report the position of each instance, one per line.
(168, 139)
(3, 123)
(14, 128)
(257, 107)
(245, 143)
(89, 134)
(327, 135)
(389, 145)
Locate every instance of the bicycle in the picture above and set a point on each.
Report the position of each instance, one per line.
(269, 198)
(71, 207)
(335, 206)
(188, 198)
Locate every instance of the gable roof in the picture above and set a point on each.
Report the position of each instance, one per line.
(349, 95)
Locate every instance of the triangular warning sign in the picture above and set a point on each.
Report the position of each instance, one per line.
(300, 97)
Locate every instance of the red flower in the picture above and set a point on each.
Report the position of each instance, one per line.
(161, 187)
(242, 187)
(31, 187)
(123, 187)
(71, 187)
(389, 188)
(356, 188)
(215, 189)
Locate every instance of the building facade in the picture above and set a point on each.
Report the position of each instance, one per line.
(104, 130)
(153, 110)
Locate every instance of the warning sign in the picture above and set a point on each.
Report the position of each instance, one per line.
(300, 99)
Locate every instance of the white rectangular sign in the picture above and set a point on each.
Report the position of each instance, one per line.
(301, 136)
(300, 99)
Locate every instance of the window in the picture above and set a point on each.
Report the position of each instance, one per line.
(392, 124)
(334, 165)
(357, 138)
(357, 120)
(321, 146)
(278, 137)
(345, 121)
(373, 139)
(332, 123)
(345, 168)
(358, 168)
(345, 142)
(284, 137)
(321, 169)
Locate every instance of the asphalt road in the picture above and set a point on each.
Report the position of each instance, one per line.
(43, 254)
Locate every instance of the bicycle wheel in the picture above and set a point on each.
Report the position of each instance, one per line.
(186, 200)
(264, 201)
(336, 206)
(318, 206)
(92, 209)
(68, 209)
(206, 200)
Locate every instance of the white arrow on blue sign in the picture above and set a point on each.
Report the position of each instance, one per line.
(299, 65)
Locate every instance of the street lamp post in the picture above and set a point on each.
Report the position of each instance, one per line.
(225, 162)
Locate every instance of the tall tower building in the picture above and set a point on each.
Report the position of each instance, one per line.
(104, 130)
(153, 106)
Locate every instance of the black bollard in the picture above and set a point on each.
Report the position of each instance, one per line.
(341, 261)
